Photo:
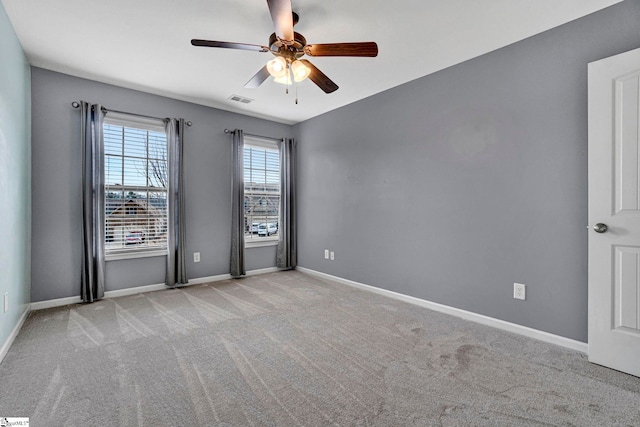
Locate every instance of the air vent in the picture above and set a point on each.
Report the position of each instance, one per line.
(241, 99)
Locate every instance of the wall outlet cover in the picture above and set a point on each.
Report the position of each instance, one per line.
(519, 291)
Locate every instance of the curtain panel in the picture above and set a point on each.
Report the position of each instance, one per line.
(92, 147)
(176, 267)
(237, 267)
(286, 255)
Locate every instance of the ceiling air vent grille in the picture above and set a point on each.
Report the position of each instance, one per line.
(241, 99)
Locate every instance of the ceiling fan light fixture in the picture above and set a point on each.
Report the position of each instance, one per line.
(277, 67)
(284, 80)
(300, 71)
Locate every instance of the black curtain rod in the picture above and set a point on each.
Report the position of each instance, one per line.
(76, 104)
(255, 136)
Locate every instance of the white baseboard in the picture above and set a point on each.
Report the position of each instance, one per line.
(14, 333)
(467, 315)
(59, 302)
(221, 277)
(40, 305)
(134, 291)
(262, 271)
(201, 280)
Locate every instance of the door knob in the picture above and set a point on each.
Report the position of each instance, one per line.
(600, 228)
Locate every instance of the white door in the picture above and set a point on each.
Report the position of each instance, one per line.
(614, 210)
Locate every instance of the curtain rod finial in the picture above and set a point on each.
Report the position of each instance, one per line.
(75, 104)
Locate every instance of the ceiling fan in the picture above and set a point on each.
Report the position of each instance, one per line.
(288, 47)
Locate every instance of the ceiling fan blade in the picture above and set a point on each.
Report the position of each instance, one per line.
(229, 45)
(258, 78)
(369, 49)
(319, 78)
(282, 18)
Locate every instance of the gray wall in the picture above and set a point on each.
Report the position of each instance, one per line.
(448, 188)
(15, 178)
(56, 185)
(456, 185)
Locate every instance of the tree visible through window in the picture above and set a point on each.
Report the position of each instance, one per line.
(261, 190)
(135, 162)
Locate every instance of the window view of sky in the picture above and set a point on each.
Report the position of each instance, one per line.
(127, 161)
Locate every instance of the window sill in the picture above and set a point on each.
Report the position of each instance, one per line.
(137, 254)
(260, 243)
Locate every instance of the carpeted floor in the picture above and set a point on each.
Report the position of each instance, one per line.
(290, 349)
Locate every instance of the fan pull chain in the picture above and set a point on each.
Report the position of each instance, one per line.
(293, 82)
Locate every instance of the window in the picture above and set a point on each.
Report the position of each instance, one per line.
(261, 190)
(135, 177)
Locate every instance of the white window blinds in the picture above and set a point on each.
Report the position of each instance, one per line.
(261, 190)
(135, 162)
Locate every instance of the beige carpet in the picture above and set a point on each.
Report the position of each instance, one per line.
(290, 349)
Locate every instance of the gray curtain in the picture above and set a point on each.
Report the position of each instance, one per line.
(93, 265)
(237, 268)
(286, 256)
(176, 257)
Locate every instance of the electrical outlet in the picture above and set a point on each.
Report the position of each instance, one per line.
(326, 254)
(6, 302)
(333, 256)
(519, 291)
(196, 257)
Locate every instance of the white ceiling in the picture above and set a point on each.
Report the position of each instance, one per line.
(145, 44)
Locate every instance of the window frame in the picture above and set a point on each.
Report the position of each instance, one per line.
(133, 121)
(271, 145)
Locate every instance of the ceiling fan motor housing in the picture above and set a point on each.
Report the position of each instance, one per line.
(289, 52)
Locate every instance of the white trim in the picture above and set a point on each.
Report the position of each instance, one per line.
(59, 302)
(133, 291)
(127, 120)
(264, 143)
(116, 256)
(467, 315)
(261, 243)
(201, 280)
(41, 305)
(221, 277)
(262, 271)
(14, 333)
